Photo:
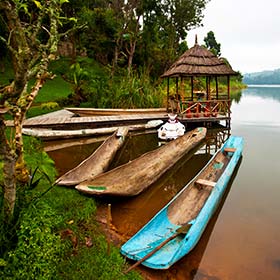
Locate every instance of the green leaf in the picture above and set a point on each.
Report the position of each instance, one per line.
(38, 4)
(63, 1)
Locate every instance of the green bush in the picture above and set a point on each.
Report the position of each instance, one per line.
(39, 247)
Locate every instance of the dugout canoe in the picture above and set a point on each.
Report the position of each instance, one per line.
(135, 176)
(54, 134)
(175, 230)
(109, 112)
(97, 163)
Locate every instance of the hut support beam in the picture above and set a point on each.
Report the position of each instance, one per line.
(228, 86)
(228, 93)
(208, 87)
(217, 87)
(167, 103)
(177, 88)
(192, 86)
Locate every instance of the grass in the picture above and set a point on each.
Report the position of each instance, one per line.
(54, 90)
(57, 233)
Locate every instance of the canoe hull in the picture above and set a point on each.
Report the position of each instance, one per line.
(53, 134)
(110, 112)
(97, 163)
(135, 176)
(171, 217)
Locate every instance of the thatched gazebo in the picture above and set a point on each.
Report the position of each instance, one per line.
(197, 64)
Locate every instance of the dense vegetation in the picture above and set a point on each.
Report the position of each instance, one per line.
(264, 77)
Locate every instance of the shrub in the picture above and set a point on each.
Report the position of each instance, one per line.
(39, 247)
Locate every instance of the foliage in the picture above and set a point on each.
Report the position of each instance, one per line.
(79, 267)
(212, 44)
(43, 173)
(39, 248)
(58, 238)
(145, 33)
(134, 91)
(37, 157)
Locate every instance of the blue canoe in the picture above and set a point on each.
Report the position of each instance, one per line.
(175, 230)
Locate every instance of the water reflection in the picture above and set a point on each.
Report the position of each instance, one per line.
(236, 96)
(258, 107)
(265, 92)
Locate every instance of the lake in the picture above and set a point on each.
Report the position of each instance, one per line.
(241, 242)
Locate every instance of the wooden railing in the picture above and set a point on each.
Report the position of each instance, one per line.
(207, 109)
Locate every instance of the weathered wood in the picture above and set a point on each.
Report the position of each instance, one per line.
(203, 182)
(135, 176)
(97, 163)
(71, 122)
(229, 150)
(51, 134)
(110, 112)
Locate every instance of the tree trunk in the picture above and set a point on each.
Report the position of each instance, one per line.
(130, 57)
(9, 182)
(22, 173)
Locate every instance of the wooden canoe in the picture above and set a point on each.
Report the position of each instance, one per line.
(176, 228)
(109, 112)
(135, 176)
(52, 134)
(97, 163)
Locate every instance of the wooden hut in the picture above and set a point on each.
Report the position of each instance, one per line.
(201, 101)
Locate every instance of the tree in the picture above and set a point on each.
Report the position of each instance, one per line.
(32, 29)
(211, 43)
(146, 33)
(165, 27)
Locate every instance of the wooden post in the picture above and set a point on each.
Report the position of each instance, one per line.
(192, 86)
(109, 222)
(217, 88)
(167, 103)
(207, 88)
(182, 85)
(228, 86)
(228, 93)
(177, 87)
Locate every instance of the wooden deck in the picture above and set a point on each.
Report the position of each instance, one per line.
(64, 119)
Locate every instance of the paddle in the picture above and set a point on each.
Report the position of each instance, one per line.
(181, 230)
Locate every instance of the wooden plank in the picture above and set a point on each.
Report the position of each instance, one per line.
(203, 182)
(229, 150)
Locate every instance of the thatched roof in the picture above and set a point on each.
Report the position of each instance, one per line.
(199, 61)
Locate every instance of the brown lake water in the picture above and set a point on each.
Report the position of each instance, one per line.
(242, 240)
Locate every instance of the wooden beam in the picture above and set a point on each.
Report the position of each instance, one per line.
(192, 86)
(202, 182)
(167, 103)
(217, 88)
(228, 86)
(229, 150)
(177, 88)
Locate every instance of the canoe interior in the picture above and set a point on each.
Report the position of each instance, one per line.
(190, 202)
(98, 162)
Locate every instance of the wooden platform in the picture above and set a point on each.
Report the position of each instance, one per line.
(64, 119)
